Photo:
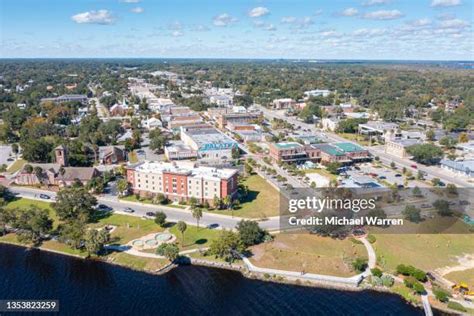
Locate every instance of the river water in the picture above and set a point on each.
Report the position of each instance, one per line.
(92, 288)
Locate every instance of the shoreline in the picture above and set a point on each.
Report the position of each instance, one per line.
(243, 271)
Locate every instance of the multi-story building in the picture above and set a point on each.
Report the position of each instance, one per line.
(182, 181)
(316, 93)
(67, 98)
(288, 152)
(209, 142)
(235, 118)
(325, 153)
(398, 147)
(221, 100)
(283, 103)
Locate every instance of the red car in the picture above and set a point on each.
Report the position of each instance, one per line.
(414, 166)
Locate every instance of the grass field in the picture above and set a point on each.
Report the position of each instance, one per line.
(311, 253)
(466, 276)
(23, 203)
(17, 165)
(128, 227)
(133, 198)
(424, 251)
(262, 200)
(195, 237)
(137, 263)
(354, 138)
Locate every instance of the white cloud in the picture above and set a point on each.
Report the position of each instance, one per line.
(224, 19)
(102, 17)
(421, 22)
(264, 26)
(350, 12)
(137, 10)
(364, 32)
(453, 24)
(383, 15)
(375, 2)
(176, 33)
(258, 12)
(445, 3)
(200, 28)
(303, 22)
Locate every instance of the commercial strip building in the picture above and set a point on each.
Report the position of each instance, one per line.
(344, 153)
(237, 118)
(462, 167)
(398, 147)
(67, 98)
(208, 142)
(180, 181)
(177, 150)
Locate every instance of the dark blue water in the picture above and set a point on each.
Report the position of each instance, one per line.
(95, 288)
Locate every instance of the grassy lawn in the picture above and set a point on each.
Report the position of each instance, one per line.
(466, 276)
(424, 251)
(311, 253)
(262, 200)
(195, 237)
(406, 293)
(354, 138)
(198, 255)
(17, 165)
(23, 203)
(128, 227)
(137, 263)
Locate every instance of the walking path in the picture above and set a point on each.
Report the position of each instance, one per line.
(426, 305)
(131, 251)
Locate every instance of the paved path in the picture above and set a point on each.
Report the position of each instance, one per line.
(426, 305)
(372, 262)
(131, 251)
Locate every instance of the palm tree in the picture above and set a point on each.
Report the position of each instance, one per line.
(197, 214)
(181, 226)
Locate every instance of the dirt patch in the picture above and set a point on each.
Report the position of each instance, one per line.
(465, 262)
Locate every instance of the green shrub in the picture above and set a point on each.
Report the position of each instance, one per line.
(441, 295)
(387, 280)
(414, 284)
(371, 238)
(356, 241)
(412, 271)
(376, 272)
(359, 264)
(456, 306)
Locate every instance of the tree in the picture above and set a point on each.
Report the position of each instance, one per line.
(448, 142)
(170, 251)
(160, 218)
(122, 186)
(333, 167)
(157, 140)
(430, 135)
(310, 111)
(412, 214)
(392, 165)
(359, 264)
(95, 240)
(181, 226)
(228, 246)
(463, 137)
(33, 223)
(435, 181)
(197, 214)
(376, 272)
(417, 192)
(6, 218)
(442, 207)
(425, 153)
(74, 203)
(250, 233)
(451, 189)
(235, 152)
(420, 175)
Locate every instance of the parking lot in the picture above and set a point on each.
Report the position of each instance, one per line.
(387, 175)
(6, 155)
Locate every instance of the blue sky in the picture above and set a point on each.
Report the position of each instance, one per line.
(335, 29)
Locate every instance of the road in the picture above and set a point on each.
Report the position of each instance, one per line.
(431, 171)
(173, 214)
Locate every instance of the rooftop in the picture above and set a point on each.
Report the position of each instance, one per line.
(189, 169)
(288, 145)
(349, 147)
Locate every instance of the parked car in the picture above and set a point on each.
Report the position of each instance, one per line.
(44, 197)
(398, 175)
(382, 177)
(103, 207)
(10, 159)
(414, 166)
(424, 205)
(129, 210)
(151, 214)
